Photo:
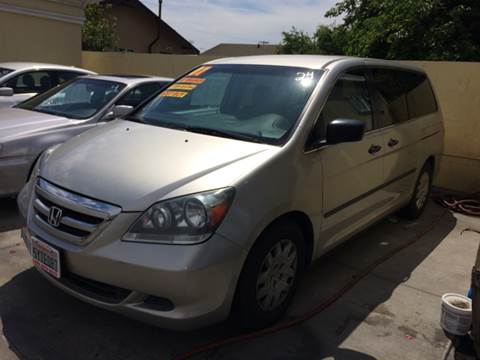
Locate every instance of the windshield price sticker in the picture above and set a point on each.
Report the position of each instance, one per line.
(191, 80)
(200, 71)
(186, 87)
(174, 94)
(301, 76)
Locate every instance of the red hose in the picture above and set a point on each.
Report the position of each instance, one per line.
(469, 205)
(322, 306)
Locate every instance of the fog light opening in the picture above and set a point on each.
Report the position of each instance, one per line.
(157, 304)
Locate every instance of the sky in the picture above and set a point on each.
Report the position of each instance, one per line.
(207, 23)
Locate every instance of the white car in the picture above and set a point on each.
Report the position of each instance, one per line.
(22, 80)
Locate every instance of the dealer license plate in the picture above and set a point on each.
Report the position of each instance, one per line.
(45, 257)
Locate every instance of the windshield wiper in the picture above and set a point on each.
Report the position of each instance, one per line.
(222, 133)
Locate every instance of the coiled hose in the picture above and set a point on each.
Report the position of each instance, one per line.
(467, 205)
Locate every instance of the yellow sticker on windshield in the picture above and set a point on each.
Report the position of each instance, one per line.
(200, 71)
(191, 80)
(174, 94)
(186, 87)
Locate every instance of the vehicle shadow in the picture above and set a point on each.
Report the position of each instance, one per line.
(10, 218)
(42, 322)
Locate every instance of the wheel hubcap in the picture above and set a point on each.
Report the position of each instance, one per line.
(277, 275)
(422, 191)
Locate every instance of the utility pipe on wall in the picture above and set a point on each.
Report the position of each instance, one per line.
(150, 47)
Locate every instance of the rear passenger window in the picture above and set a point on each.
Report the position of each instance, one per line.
(31, 82)
(420, 98)
(349, 99)
(388, 97)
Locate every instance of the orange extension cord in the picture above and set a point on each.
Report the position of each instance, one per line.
(322, 306)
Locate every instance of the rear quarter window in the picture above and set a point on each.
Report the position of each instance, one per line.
(420, 98)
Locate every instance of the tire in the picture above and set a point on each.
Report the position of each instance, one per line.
(418, 202)
(269, 277)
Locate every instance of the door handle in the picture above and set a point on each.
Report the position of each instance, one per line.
(393, 142)
(374, 149)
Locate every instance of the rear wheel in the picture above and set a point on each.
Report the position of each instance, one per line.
(269, 277)
(418, 202)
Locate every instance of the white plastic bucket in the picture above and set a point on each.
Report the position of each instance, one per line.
(456, 314)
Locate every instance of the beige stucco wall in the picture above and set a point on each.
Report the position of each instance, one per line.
(458, 89)
(457, 86)
(144, 64)
(41, 31)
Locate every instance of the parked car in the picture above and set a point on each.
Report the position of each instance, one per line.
(213, 197)
(20, 81)
(61, 113)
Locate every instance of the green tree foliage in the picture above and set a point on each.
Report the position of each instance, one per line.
(98, 31)
(326, 40)
(297, 42)
(402, 29)
(329, 40)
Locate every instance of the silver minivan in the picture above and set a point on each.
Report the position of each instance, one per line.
(213, 197)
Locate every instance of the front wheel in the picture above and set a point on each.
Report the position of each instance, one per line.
(269, 277)
(418, 202)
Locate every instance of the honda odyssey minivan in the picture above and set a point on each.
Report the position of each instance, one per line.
(213, 197)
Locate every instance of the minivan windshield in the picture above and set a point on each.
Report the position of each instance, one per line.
(256, 103)
(79, 99)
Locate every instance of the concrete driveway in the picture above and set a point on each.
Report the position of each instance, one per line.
(391, 313)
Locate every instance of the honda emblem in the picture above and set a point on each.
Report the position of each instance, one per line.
(55, 216)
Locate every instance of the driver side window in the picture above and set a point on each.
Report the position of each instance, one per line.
(349, 99)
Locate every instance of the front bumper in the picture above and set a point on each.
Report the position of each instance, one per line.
(198, 281)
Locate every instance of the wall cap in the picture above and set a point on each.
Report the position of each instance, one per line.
(79, 20)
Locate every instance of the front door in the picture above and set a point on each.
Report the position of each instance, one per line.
(352, 172)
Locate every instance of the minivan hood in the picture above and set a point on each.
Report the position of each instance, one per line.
(16, 122)
(134, 165)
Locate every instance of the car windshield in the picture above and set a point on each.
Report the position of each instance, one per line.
(4, 72)
(78, 99)
(247, 102)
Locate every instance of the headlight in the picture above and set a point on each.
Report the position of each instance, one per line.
(25, 194)
(41, 161)
(185, 220)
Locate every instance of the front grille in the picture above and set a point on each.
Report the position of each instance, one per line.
(94, 289)
(80, 217)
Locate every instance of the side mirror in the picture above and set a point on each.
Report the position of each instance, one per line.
(345, 130)
(117, 112)
(121, 110)
(6, 91)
